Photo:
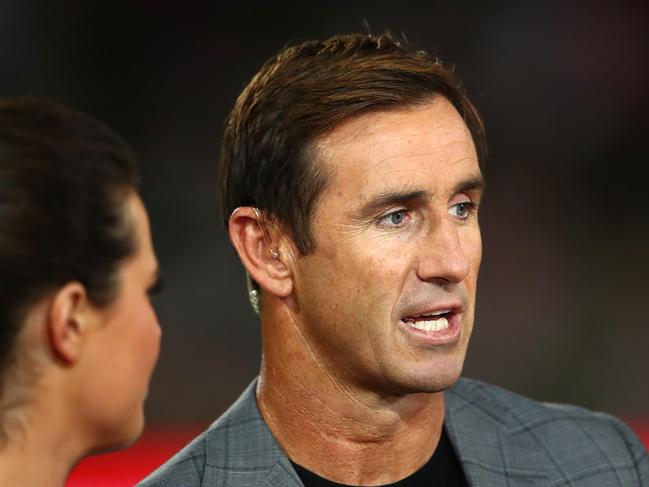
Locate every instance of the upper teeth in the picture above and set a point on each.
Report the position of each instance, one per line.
(443, 312)
(430, 325)
(431, 313)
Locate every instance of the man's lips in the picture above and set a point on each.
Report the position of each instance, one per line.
(440, 323)
(427, 313)
(434, 321)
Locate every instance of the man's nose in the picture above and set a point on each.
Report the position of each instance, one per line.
(442, 257)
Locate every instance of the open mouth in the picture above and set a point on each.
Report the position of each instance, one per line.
(436, 321)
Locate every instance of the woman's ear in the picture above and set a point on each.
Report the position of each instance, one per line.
(258, 243)
(67, 322)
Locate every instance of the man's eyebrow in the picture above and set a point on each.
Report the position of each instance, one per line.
(396, 197)
(390, 198)
(477, 183)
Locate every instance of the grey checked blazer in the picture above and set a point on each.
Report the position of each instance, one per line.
(501, 439)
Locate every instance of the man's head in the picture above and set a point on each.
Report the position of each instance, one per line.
(365, 157)
(267, 158)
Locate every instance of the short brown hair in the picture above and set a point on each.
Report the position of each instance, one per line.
(305, 91)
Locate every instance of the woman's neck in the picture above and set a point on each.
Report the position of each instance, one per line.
(40, 450)
(28, 466)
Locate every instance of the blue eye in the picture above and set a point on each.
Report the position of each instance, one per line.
(395, 219)
(463, 210)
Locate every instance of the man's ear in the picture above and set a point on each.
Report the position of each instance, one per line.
(258, 244)
(67, 322)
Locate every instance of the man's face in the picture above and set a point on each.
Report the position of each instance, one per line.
(387, 299)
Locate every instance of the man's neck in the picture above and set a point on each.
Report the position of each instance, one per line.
(341, 432)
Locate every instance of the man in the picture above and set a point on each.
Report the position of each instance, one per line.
(351, 181)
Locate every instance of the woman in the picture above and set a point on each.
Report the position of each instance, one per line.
(78, 336)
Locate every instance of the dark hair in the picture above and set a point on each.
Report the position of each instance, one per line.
(305, 91)
(64, 181)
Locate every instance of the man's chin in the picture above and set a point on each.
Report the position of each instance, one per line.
(437, 379)
(411, 387)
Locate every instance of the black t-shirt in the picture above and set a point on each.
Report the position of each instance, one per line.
(442, 470)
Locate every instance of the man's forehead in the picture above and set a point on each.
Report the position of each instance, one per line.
(379, 121)
(395, 129)
(431, 140)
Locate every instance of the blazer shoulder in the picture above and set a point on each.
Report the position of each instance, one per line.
(576, 440)
(237, 449)
(185, 469)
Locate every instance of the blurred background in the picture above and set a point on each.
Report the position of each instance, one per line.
(564, 91)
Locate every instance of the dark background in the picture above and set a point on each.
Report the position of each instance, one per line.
(563, 88)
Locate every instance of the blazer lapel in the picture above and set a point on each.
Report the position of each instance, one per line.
(282, 474)
(476, 425)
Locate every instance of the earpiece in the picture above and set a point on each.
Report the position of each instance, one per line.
(273, 253)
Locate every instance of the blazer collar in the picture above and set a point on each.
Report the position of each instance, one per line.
(477, 424)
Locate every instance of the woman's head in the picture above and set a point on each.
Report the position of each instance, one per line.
(74, 240)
